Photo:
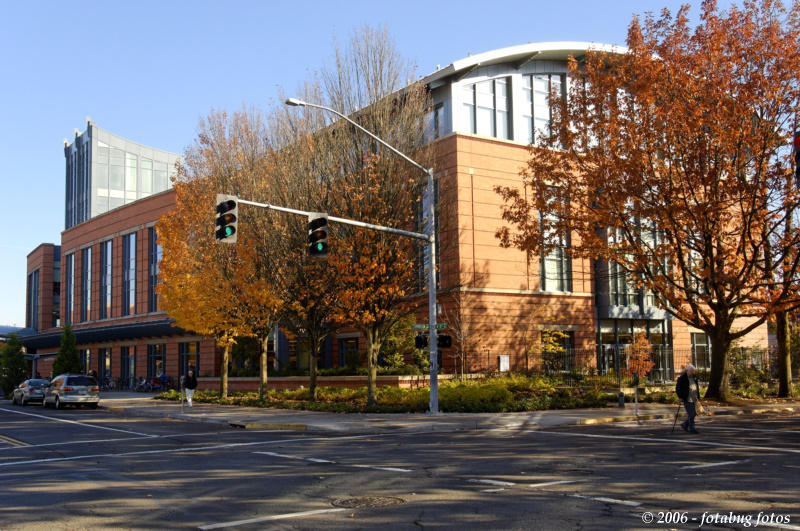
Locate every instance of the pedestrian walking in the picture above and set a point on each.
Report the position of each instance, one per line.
(190, 384)
(689, 393)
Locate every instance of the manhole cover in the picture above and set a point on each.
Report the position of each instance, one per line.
(367, 501)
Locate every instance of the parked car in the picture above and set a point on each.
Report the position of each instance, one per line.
(29, 390)
(75, 389)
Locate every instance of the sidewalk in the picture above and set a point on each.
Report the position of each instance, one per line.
(142, 405)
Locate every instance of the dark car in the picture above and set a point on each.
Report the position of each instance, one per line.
(29, 390)
(76, 389)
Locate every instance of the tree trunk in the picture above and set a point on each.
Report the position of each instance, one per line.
(262, 386)
(312, 371)
(718, 385)
(223, 391)
(784, 356)
(373, 348)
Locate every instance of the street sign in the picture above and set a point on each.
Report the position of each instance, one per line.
(439, 326)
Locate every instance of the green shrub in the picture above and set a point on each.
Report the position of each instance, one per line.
(485, 397)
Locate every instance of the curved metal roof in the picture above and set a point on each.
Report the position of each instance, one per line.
(522, 54)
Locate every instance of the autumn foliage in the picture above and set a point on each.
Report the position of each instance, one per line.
(671, 159)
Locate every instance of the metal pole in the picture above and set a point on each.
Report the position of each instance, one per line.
(433, 406)
(363, 224)
(430, 237)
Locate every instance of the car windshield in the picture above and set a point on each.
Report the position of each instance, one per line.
(82, 380)
(39, 382)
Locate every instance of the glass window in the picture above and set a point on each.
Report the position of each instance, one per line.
(147, 175)
(86, 360)
(160, 179)
(33, 300)
(556, 267)
(537, 112)
(188, 354)
(434, 123)
(155, 360)
(105, 279)
(127, 367)
(154, 257)
(116, 170)
(69, 288)
(104, 357)
(130, 172)
(487, 108)
(129, 274)
(86, 284)
(348, 352)
(701, 351)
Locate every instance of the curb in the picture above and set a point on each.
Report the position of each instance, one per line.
(291, 426)
(621, 418)
(662, 416)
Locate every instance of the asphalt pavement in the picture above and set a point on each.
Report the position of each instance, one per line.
(84, 469)
(142, 405)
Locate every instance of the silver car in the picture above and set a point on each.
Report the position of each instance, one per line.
(75, 389)
(29, 390)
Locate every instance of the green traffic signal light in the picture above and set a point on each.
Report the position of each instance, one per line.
(318, 235)
(227, 218)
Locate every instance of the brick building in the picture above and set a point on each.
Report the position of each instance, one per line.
(487, 110)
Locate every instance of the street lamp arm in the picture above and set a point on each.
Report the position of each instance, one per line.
(431, 233)
(300, 103)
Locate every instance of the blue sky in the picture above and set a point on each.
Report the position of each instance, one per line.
(148, 70)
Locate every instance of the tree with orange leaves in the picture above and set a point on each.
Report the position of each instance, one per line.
(214, 288)
(670, 160)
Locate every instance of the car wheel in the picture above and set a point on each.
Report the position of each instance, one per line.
(23, 402)
(14, 399)
(58, 403)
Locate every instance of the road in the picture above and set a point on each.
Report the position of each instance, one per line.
(83, 469)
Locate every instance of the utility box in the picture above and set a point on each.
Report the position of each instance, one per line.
(502, 363)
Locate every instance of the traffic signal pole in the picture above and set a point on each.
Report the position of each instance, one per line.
(431, 239)
(429, 236)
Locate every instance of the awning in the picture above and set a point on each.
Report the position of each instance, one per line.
(102, 334)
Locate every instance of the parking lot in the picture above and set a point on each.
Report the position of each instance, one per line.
(82, 469)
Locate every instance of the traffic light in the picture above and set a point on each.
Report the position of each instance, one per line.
(442, 341)
(797, 158)
(421, 341)
(227, 218)
(318, 235)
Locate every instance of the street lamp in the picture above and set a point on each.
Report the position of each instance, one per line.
(431, 237)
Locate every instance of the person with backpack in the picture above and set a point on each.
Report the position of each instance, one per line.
(688, 392)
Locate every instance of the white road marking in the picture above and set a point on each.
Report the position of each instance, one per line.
(551, 483)
(710, 465)
(683, 441)
(386, 468)
(492, 482)
(75, 422)
(492, 490)
(269, 518)
(200, 448)
(606, 500)
(312, 459)
(317, 460)
(168, 436)
(726, 428)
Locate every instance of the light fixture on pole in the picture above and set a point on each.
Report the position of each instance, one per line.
(431, 234)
